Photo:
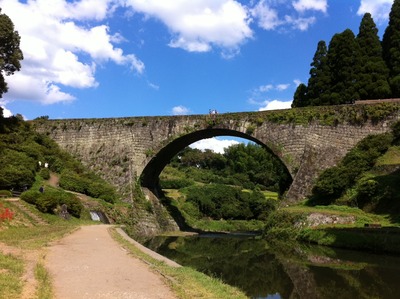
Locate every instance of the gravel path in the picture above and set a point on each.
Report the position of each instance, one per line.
(90, 264)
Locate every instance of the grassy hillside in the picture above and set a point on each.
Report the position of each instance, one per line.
(27, 160)
(227, 192)
(367, 178)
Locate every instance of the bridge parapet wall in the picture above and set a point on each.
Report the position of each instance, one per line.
(119, 149)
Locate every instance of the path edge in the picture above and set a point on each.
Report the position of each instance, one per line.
(146, 250)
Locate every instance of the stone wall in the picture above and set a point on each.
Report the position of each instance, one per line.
(120, 149)
(123, 149)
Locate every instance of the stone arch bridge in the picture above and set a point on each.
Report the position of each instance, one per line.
(306, 140)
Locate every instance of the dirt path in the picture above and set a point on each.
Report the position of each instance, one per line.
(90, 264)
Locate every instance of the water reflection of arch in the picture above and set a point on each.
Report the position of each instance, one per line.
(150, 175)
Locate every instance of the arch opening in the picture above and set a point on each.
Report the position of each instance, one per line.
(150, 175)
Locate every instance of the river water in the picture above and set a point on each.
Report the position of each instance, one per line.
(264, 270)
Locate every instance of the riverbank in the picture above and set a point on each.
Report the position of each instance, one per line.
(335, 226)
(377, 240)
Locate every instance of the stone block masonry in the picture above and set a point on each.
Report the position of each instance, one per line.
(122, 150)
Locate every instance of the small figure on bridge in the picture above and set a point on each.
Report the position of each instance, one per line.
(213, 113)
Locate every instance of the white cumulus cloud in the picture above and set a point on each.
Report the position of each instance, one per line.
(200, 25)
(267, 16)
(180, 110)
(6, 112)
(276, 105)
(304, 5)
(271, 87)
(379, 9)
(270, 16)
(61, 48)
(214, 144)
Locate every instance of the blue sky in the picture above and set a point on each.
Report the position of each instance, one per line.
(116, 58)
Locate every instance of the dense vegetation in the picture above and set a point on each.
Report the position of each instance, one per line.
(10, 52)
(249, 166)
(362, 179)
(27, 158)
(353, 67)
(230, 186)
(218, 201)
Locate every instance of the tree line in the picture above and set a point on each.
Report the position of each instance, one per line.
(353, 68)
(249, 166)
(226, 186)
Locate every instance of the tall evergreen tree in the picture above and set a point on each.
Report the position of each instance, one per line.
(391, 48)
(300, 97)
(373, 77)
(319, 82)
(10, 53)
(343, 62)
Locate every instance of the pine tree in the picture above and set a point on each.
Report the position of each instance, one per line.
(343, 62)
(300, 96)
(319, 82)
(391, 48)
(372, 80)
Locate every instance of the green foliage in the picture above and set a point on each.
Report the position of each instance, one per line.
(30, 196)
(282, 225)
(89, 184)
(21, 151)
(344, 64)
(70, 180)
(333, 182)
(374, 74)
(51, 199)
(225, 202)
(10, 52)
(252, 165)
(17, 169)
(381, 240)
(44, 173)
(355, 68)
(242, 165)
(390, 45)
(176, 183)
(320, 78)
(367, 178)
(5, 193)
(300, 98)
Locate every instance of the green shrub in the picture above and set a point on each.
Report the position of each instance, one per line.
(5, 193)
(74, 205)
(101, 190)
(334, 182)
(51, 199)
(30, 196)
(72, 181)
(282, 225)
(48, 202)
(88, 184)
(176, 183)
(218, 201)
(45, 173)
